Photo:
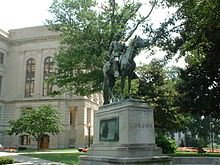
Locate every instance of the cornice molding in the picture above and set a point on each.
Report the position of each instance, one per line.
(4, 39)
(35, 39)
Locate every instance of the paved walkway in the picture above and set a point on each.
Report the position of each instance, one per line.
(26, 160)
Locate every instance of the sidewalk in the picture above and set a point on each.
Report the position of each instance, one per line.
(26, 160)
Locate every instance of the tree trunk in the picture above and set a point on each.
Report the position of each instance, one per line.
(38, 144)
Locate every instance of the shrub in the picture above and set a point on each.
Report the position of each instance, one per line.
(6, 160)
(168, 145)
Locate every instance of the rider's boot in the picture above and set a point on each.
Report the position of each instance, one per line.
(116, 73)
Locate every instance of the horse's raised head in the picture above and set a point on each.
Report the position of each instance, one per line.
(138, 42)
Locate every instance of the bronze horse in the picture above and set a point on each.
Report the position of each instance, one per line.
(126, 70)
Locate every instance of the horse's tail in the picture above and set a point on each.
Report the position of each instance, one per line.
(106, 68)
(105, 93)
(105, 87)
(134, 76)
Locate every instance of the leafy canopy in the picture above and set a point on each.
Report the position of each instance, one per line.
(87, 29)
(194, 32)
(36, 122)
(158, 88)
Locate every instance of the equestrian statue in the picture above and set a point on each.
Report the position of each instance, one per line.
(120, 65)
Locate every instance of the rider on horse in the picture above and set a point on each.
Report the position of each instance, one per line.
(116, 49)
(121, 63)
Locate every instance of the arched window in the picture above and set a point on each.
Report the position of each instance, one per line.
(30, 77)
(48, 71)
(25, 140)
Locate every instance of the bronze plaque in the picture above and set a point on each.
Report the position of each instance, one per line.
(109, 129)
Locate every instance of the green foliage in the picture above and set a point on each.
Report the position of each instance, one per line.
(168, 145)
(196, 125)
(87, 28)
(192, 23)
(199, 91)
(36, 122)
(6, 160)
(133, 90)
(193, 31)
(158, 88)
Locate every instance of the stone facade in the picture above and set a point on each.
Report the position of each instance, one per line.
(38, 43)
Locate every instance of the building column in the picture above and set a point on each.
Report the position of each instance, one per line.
(81, 126)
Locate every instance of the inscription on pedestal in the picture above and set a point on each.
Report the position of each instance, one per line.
(140, 125)
(109, 129)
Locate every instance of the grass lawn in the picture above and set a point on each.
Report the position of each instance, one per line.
(68, 158)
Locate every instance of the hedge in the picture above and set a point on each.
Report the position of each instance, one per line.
(6, 160)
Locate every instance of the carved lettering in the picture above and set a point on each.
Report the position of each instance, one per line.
(140, 125)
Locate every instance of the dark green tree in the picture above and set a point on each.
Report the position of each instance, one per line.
(193, 31)
(37, 122)
(87, 29)
(203, 130)
(158, 88)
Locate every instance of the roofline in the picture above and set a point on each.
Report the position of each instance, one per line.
(28, 27)
(4, 36)
(4, 33)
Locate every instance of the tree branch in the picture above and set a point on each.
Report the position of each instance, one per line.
(139, 22)
(131, 15)
(112, 6)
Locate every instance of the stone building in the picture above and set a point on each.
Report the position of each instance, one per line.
(26, 61)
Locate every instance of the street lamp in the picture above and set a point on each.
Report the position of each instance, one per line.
(89, 136)
(218, 88)
(211, 135)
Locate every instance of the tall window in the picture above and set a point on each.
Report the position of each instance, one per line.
(48, 71)
(89, 110)
(0, 85)
(71, 117)
(1, 58)
(25, 140)
(30, 77)
(0, 113)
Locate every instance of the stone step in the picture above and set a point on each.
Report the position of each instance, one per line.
(196, 161)
(191, 164)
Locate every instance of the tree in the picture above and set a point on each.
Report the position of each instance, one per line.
(193, 31)
(196, 125)
(87, 29)
(158, 88)
(36, 122)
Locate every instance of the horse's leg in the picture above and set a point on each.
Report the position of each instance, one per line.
(122, 86)
(115, 68)
(129, 86)
(106, 91)
(111, 85)
(105, 83)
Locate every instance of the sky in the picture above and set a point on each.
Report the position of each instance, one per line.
(16, 14)
(26, 13)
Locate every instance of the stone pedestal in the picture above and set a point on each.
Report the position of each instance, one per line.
(124, 134)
